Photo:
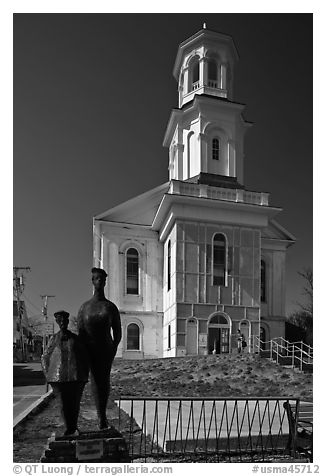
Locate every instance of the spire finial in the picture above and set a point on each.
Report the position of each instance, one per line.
(204, 26)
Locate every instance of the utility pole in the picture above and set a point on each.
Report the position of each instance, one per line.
(18, 290)
(45, 298)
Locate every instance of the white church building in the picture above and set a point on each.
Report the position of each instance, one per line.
(192, 261)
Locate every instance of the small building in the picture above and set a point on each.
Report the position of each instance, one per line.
(195, 259)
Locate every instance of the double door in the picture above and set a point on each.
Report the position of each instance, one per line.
(218, 340)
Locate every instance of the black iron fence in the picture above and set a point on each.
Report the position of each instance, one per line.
(213, 429)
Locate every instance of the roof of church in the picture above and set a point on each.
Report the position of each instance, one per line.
(215, 180)
(142, 209)
(199, 35)
(207, 31)
(275, 231)
(209, 96)
(139, 210)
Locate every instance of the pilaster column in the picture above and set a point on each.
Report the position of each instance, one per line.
(181, 88)
(179, 160)
(231, 158)
(96, 243)
(223, 76)
(203, 138)
(150, 277)
(204, 62)
(111, 257)
(201, 72)
(185, 80)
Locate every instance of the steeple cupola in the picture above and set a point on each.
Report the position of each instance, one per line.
(204, 65)
(205, 135)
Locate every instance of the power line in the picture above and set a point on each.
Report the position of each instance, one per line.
(35, 307)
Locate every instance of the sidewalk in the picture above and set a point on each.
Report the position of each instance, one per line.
(29, 387)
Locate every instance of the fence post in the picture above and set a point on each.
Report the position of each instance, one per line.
(271, 350)
(276, 352)
(301, 358)
(293, 365)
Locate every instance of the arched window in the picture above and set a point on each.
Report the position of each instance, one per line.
(133, 342)
(219, 319)
(169, 265)
(263, 281)
(215, 148)
(194, 72)
(212, 73)
(212, 69)
(132, 271)
(219, 260)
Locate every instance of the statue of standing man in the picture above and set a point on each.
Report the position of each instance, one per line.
(99, 328)
(65, 367)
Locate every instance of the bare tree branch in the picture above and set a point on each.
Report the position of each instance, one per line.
(303, 317)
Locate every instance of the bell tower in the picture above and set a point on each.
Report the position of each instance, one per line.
(205, 134)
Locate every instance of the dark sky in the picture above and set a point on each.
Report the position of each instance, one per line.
(92, 97)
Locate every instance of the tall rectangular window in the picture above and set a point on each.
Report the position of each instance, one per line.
(132, 271)
(219, 260)
(215, 149)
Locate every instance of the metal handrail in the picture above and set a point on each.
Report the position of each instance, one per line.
(301, 343)
(290, 348)
(295, 342)
(286, 341)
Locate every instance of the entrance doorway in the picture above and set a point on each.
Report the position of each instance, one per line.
(245, 329)
(218, 341)
(263, 337)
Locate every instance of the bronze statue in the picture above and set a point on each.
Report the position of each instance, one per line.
(96, 318)
(66, 368)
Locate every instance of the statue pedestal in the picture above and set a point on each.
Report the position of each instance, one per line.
(104, 446)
